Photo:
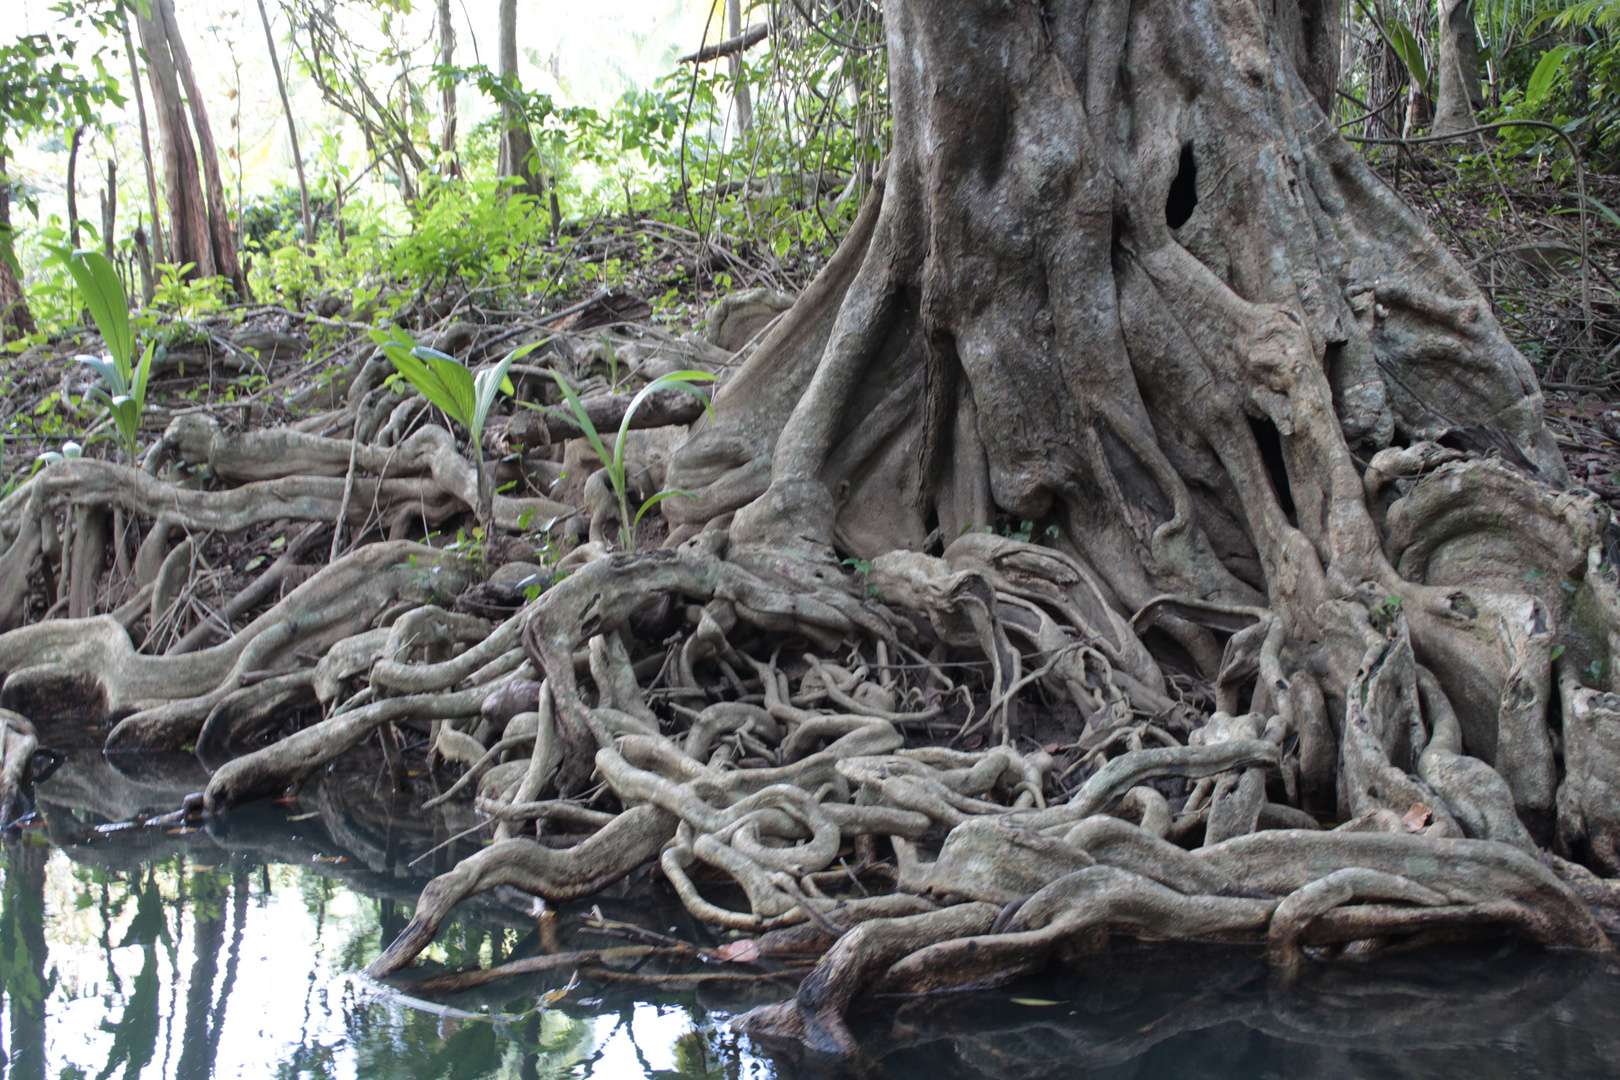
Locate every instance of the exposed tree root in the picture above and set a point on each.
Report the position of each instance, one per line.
(1292, 633)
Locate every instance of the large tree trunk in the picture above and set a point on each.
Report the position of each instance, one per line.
(219, 218)
(516, 148)
(1280, 524)
(1123, 280)
(157, 246)
(1458, 93)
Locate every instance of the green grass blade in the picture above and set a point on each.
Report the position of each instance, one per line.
(674, 380)
(658, 498)
(1614, 219)
(583, 419)
(142, 374)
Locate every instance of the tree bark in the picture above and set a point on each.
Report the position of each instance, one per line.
(109, 210)
(73, 185)
(292, 126)
(447, 97)
(157, 248)
(189, 240)
(517, 147)
(1458, 92)
(740, 93)
(1123, 280)
(15, 318)
(218, 215)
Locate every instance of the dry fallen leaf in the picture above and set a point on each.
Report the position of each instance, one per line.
(1418, 818)
(305, 817)
(742, 951)
(1052, 747)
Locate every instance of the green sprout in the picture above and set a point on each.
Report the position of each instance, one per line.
(462, 395)
(613, 461)
(123, 382)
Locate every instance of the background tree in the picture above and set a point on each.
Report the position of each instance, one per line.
(199, 219)
(1458, 91)
(517, 156)
(372, 87)
(41, 88)
(292, 125)
(447, 92)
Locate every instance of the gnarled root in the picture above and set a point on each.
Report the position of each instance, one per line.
(632, 839)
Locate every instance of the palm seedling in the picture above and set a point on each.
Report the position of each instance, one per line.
(123, 382)
(464, 396)
(613, 460)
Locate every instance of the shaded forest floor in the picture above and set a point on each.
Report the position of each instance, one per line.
(1518, 233)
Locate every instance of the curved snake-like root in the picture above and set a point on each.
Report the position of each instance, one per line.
(768, 790)
(1309, 902)
(1333, 888)
(815, 1015)
(73, 668)
(631, 839)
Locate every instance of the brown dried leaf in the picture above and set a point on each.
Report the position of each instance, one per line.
(1418, 818)
(741, 951)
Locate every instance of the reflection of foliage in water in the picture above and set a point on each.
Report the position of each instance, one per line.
(154, 954)
(543, 1045)
(22, 956)
(708, 1052)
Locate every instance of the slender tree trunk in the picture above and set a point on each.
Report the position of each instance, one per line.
(740, 94)
(15, 318)
(143, 261)
(219, 220)
(157, 248)
(292, 125)
(447, 96)
(517, 156)
(109, 209)
(188, 236)
(1458, 92)
(73, 185)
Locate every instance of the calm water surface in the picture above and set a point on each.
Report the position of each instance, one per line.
(233, 951)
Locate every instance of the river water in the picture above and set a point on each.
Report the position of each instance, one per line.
(234, 950)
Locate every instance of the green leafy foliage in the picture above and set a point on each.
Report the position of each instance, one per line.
(1406, 46)
(1547, 69)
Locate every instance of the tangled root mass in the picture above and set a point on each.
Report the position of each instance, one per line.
(1304, 640)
